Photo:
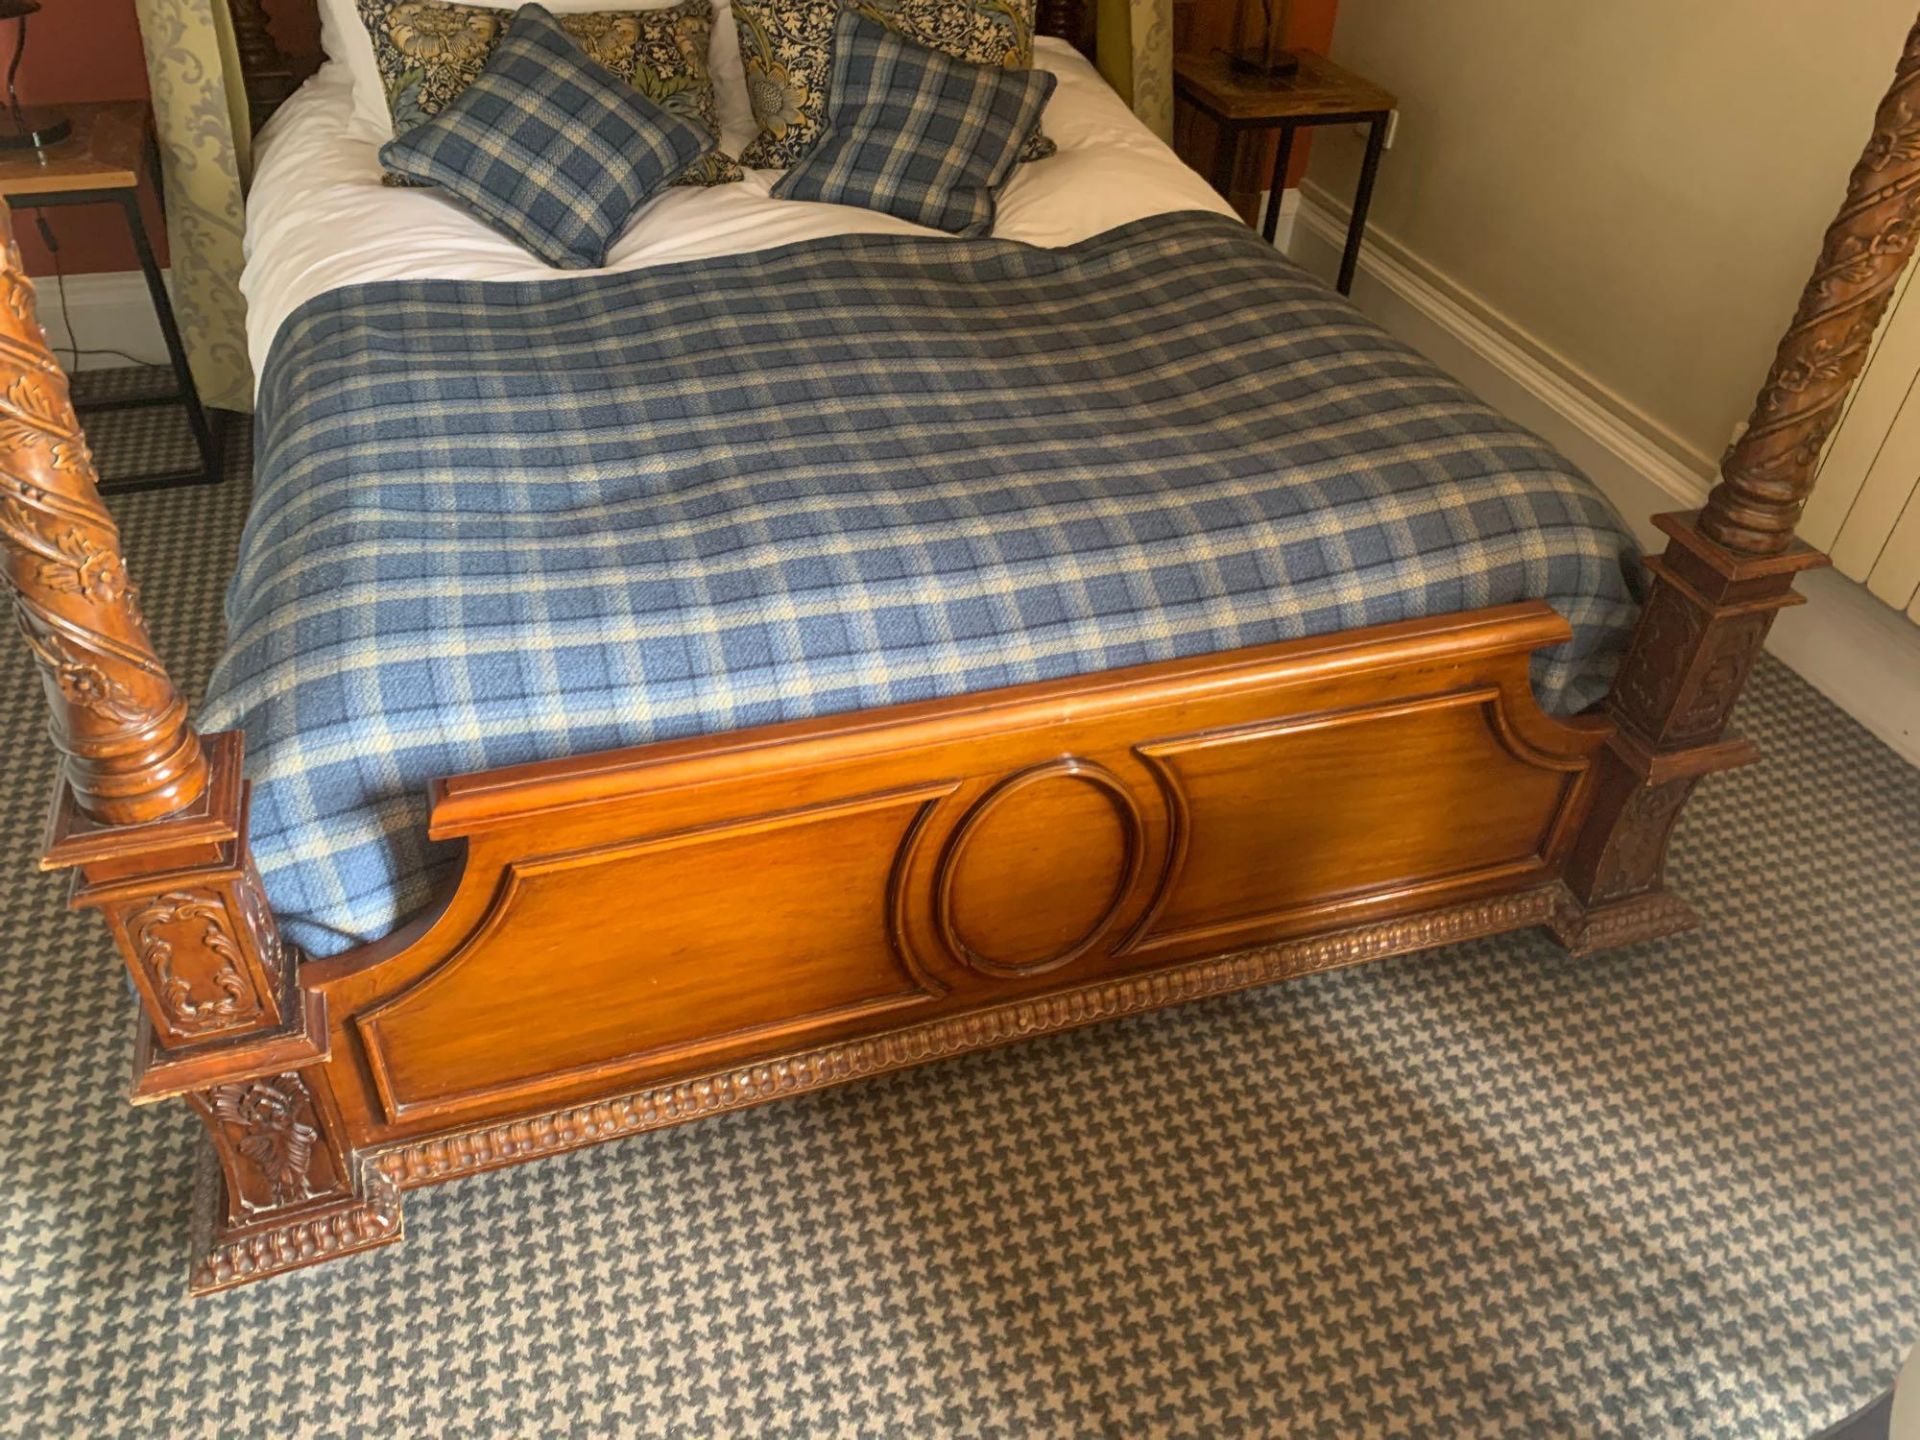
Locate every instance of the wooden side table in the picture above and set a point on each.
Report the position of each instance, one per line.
(1320, 94)
(100, 164)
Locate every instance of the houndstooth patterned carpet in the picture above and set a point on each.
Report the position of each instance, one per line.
(1488, 1191)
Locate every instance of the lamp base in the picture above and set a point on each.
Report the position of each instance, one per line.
(32, 129)
(1271, 68)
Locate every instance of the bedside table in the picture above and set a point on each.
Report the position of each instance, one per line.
(100, 164)
(1320, 94)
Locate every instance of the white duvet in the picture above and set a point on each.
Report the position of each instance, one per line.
(318, 216)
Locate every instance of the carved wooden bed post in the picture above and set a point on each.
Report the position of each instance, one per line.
(152, 821)
(1729, 570)
(264, 70)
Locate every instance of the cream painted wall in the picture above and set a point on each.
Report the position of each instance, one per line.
(1641, 185)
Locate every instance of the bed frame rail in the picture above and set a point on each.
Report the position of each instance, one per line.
(325, 1087)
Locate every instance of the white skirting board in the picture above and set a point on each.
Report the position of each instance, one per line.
(1289, 217)
(1861, 654)
(106, 311)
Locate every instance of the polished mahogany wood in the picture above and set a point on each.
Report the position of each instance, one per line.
(1728, 571)
(152, 822)
(780, 889)
(645, 936)
(1768, 473)
(1696, 642)
(129, 753)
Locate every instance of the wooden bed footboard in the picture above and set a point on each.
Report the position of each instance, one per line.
(641, 937)
(644, 936)
(655, 916)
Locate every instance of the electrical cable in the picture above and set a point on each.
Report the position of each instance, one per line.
(73, 348)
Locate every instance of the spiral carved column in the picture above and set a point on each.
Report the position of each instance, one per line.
(117, 718)
(139, 793)
(1730, 570)
(150, 819)
(1768, 471)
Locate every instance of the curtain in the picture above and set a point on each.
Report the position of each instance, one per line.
(200, 117)
(1134, 50)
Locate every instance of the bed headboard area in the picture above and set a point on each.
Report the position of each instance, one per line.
(271, 76)
(1069, 20)
(268, 74)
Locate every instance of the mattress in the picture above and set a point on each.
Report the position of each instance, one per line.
(319, 218)
(502, 521)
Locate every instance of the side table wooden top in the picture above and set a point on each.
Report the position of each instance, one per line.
(105, 152)
(1319, 88)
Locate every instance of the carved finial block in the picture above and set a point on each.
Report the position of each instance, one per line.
(272, 1143)
(185, 905)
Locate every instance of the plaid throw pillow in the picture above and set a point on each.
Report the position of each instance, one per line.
(549, 148)
(787, 49)
(428, 51)
(915, 133)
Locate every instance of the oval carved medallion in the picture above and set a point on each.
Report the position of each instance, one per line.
(1039, 870)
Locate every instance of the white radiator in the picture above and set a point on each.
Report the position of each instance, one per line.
(1865, 510)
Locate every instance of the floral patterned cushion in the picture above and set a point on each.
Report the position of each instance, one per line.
(787, 48)
(428, 51)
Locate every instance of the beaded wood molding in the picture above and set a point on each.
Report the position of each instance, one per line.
(424, 1162)
(223, 1259)
(1652, 915)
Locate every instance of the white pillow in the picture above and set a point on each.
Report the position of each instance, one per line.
(344, 38)
(343, 35)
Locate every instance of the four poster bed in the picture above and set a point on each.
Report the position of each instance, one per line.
(756, 904)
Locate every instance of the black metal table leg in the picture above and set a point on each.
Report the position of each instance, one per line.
(203, 431)
(157, 174)
(1363, 197)
(1282, 153)
(1226, 149)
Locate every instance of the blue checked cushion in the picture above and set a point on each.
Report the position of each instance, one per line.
(786, 48)
(915, 133)
(428, 51)
(549, 148)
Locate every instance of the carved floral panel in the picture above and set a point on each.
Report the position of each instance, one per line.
(272, 1144)
(195, 966)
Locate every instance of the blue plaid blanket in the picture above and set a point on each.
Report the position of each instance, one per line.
(501, 522)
